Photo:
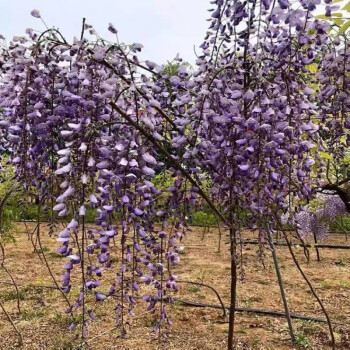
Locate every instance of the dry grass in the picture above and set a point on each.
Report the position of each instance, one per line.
(45, 327)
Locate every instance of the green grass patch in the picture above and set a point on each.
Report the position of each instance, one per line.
(56, 255)
(334, 284)
(251, 300)
(44, 250)
(302, 340)
(264, 283)
(31, 315)
(12, 295)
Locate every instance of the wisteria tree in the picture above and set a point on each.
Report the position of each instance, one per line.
(88, 125)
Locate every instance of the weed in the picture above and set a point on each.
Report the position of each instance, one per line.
(339, 317)
(44, 250)
(65, 320)
(203, 273)
(178, 305)
(251, 300)
(344, 284)
(302, 340)
(265, 283)
(12, 295)
(326, 284)
(309, 328)
(113, 260)
(30, 315)
(340, 262)
(56, 255)
(65, 344)
(332, 284)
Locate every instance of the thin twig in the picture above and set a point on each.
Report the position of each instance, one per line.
(281, 285)
(312, 290)
(210, 287)
(46, 262)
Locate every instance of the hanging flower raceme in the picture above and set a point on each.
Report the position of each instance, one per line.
(80, 154)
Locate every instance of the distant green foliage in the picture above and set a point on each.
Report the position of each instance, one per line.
(30, 213)
(21, 207)
(201, 217)
(204, 217)
(11, 208)
(171, 68)
(342, 224)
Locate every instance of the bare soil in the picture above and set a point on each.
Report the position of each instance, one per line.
(44, 325)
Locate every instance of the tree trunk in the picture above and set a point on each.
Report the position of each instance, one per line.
(280, 283)
(230, 343)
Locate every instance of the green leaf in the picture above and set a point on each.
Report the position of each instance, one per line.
(344, 27)
(338, 21)
(322, 17)
(347, 7)
(335, 15)
(325, 155)
(312, 67)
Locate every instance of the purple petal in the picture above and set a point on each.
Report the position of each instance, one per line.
(100, 296)
(35, 13)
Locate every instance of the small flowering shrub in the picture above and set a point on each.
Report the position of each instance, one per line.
(319, 220)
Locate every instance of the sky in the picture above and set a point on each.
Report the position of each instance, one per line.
(164, 27)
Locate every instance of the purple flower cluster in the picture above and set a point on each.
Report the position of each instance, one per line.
(77, 153)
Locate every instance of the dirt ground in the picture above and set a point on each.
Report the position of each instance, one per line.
(44, 326)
